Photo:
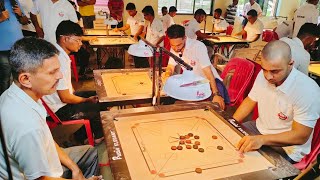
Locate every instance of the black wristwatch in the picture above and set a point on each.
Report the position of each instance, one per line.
(216, 94)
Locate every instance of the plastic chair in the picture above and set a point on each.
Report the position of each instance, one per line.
(238, 72)
(185, 22)
(57, 121)
(267, 35)
(315, 149)
(229, 30)
(74, 67)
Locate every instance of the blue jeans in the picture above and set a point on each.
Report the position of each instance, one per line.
(5, 71)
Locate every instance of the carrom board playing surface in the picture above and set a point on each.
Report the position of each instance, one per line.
(147, 142)
(102, 32)
(112, 41)
(228, 39)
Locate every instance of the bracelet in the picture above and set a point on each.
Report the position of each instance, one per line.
(216, 94)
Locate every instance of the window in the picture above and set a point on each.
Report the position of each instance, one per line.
(269, 7)
(187, 6)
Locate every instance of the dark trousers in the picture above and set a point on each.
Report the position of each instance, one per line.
(29, 33)
(86, 158)
(141, 62)
(88, 21)
(5, 71)
(89, 111)
(119, 25)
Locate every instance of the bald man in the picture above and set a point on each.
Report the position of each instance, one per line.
(288, 109)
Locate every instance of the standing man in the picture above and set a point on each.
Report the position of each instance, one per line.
(301, 44)
(194, 53)
(252, 4)
(219, 24)
(52, 12)
(288, 106)
(65, 102)
(135, 22)
(307, 13)
(231, 12)
(254, 28)
(11, 18)
(167, 20)
(32, 152)
(164, 11)
(86, 9)
(116, 11)
(27, 29)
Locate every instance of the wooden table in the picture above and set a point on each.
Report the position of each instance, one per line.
(139, 143)
(102, 32)
(314, 69)
(113, 46)
(227, 40)
(118, 87)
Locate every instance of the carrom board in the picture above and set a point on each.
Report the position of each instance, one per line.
(146, 142)
(228, 39)
(102, 32)
(112, 41)
(123, 84)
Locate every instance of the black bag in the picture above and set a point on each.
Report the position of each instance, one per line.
(113, 63)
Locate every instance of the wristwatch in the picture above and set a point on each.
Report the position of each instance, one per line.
(216, 94)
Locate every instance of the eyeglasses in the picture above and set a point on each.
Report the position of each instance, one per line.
(78, 39)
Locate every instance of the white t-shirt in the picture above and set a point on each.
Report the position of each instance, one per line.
(26, 6)
(300, 56)
(167, 21)
(285, 29)
(247, 7)
(52, 14)
(220, 24)
(135, 23)
(278, 106)
(191, 28)
(53, 100)
(307, 13)
(196, 55)
(254, 29)
(154, 31)
(31, 148)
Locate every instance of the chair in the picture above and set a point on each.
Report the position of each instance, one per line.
(57, 121)
(74, 67)
(315, 149)
(267, 35)
(238, 74)
(229, 30)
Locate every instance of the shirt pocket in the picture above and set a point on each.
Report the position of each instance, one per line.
(285, 110)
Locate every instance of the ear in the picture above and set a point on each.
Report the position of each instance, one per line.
(24, 80)
(291, 62)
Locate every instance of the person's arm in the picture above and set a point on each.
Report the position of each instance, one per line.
(68, 98)
(240, 33)
(298, 135)
(20, 17)
(201, 35)
(35, 22)
(160, 40)
(4, 15)
(124, 28)
(245, 108)
(216, 98)
(256, 38)
(169, 71)
(139, 32)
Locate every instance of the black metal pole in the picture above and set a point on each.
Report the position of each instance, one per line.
(5, 153)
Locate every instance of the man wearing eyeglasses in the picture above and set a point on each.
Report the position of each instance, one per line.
(65, 102)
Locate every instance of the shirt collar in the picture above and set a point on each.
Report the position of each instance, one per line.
(20, 94)
(289, 82)
(298, 41)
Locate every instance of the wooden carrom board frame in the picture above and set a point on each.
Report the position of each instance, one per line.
(228, 40)
(121, 162)
(106, 88)
(112, 41)
(102, 32)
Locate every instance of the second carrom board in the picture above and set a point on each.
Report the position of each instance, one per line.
(112, 41)
(228, 39)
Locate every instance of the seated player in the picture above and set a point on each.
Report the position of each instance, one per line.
(219, 23)
(301, 44)
(288, 109)
(32, 152)
(284, 29)
(254, 27)
(194, 53)
(167, 20)
(66, 103)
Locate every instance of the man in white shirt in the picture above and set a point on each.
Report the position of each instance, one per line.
(194, 53)
(219, 24)
(167, 20)
(284, 29)
(301, 44)
(288, 109)
(27, 29)
(66, 103)
(254, 27)
(247, 7)
(307, 13)
(52, 12)
(135, 22)
(32, 152)
(193, 26)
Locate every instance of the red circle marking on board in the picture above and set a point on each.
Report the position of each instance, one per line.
(162, 175)
(241, 155)
(153, 172)
(240, 160)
